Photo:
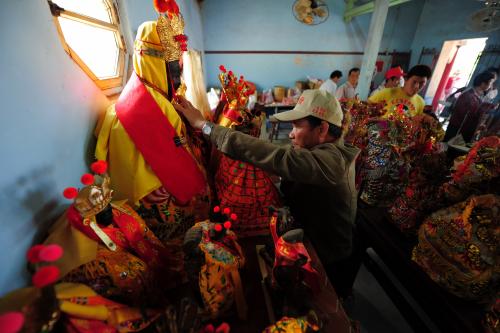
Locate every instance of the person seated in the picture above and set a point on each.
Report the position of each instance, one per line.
(331, 84)
(155, 160)
(348, 89)
(406, 97)
(392, 80)
(108, 247)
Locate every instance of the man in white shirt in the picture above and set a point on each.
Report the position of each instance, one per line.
(331, 84)
(348, 89)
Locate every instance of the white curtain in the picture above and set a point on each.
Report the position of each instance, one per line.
(196, 91)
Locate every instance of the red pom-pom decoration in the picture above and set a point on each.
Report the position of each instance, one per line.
(218, 227)
(227, 210)
(11, 322)
(161, 6)
(50, 253)
(216, 209)
(99, 167)
(33, 254)
(87, 179)
(223, 328)
(70, 192)
(222, 68)
(230, 73)
(227, 224)
(234, 217)
(45, 276)
(209, 329)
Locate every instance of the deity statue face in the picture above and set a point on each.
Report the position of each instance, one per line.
(94, 198)
(174, 69)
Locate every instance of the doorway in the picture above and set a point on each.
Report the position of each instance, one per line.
(454, 68)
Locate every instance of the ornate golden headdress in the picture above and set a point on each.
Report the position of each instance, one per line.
(96, 195)
(236, 92)
(170, 28)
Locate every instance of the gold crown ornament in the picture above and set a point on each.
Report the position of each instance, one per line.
(170, 28)
(236, 92)
(93, 198)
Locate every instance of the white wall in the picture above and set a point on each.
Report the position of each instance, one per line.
(48, 111)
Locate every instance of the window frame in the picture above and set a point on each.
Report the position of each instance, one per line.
(104, 84)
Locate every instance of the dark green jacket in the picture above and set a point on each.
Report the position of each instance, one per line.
(318, 185)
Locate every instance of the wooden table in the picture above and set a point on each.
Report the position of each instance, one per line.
(258, 315)
(448, 312)
(272, 109)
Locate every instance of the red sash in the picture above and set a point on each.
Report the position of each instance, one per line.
(158, 142)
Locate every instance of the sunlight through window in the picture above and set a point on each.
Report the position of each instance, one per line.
(90, 33)
(97, 47)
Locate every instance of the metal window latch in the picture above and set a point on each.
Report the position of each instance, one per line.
(55, 9)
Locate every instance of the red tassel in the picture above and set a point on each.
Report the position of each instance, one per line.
(87, 179)
(99, 167)
(45, 276)
(70, 193)
(209, 329)
(223, 328)
(11, 322)
(163, 6)
(222, 68)
(50, 253)
(33, 253)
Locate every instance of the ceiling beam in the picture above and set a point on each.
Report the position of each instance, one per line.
(351, 11)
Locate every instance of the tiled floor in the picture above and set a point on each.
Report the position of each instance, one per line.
(373, 308)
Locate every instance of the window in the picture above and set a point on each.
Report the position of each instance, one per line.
(90, 33)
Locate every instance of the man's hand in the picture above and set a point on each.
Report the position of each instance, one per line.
(192, 114)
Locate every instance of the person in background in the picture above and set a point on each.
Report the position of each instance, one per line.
(392, 79)
(317, 172)
(491, 95)
(348, 89)
(468, 108)
(331, 84)
(407, 96)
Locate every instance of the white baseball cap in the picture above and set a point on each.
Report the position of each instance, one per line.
(316, 103)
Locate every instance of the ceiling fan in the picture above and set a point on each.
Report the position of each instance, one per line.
(310, 12)
(486, 19)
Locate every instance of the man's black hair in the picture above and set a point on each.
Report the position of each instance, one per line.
(495, 70)
(335, 74)
(420, 70)
(354, 69)
(483, 77)
(334, 130)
